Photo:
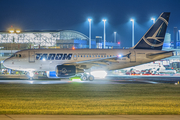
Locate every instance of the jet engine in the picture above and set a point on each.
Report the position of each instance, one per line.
(67, 70)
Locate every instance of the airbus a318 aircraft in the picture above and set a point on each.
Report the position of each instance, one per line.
(62, 63)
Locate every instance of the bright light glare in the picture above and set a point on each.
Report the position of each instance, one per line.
(76, 80)
(44, 59)
(18, 31)
(152, 18)
(99, 74)
(89, 20)
(31, 82)
(31, 74)
(119, 55)
(104, 20)
(132, 20)
(11, 31)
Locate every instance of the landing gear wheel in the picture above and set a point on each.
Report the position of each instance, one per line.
(84, 78)
(91, 78)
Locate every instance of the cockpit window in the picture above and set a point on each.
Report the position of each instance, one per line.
(13, 55)
(16, 55)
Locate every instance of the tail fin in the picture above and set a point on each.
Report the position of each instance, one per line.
(153, 39)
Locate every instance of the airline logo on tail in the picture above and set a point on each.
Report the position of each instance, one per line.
(154, 37)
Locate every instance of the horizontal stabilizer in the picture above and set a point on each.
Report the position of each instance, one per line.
(157, 54)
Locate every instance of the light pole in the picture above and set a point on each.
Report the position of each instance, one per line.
(153, 19)
(104, 20)
(179, 35)
(114, 37)
(132, 20)
(89, 33)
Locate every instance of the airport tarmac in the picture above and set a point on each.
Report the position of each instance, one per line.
(89, 117)
(107, 80)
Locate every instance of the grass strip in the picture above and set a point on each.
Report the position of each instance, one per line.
(90, 99)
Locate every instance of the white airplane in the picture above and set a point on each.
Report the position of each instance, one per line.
(66, 62)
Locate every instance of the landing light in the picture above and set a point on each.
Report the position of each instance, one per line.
(31, 74)
(119, 55)
(31, 82)
(99, 74)
(44, 59)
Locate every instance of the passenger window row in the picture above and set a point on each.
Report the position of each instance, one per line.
(96, 55)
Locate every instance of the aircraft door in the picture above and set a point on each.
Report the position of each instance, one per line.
(31, 56)
(75, 56)
(132, 56)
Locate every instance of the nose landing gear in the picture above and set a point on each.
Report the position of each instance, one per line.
(31, 74)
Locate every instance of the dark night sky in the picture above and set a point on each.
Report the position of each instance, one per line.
(73, 15)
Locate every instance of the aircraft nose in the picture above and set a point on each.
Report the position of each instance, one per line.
(6, 63)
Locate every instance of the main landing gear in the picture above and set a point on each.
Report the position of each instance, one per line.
(86, 77)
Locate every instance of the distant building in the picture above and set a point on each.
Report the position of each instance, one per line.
(99, 42)
(167, 41)
(175, 32)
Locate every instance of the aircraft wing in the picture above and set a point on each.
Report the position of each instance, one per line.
(99, 61)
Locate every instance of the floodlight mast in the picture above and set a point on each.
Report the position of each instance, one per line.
(132, 20)
(104, 20)
(89, 32)
(115, 37)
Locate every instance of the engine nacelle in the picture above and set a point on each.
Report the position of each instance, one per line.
(67, 70)
(51, 74)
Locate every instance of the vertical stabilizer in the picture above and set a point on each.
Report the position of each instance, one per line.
(154, 37)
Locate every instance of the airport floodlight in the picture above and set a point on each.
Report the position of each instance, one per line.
(18, 31)
(11, 31)
(89, 32)
(153, 19)
(89, 19)
(104, 20)
(132, 20)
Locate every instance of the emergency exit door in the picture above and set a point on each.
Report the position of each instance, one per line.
(31, 56)
(132, 56)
